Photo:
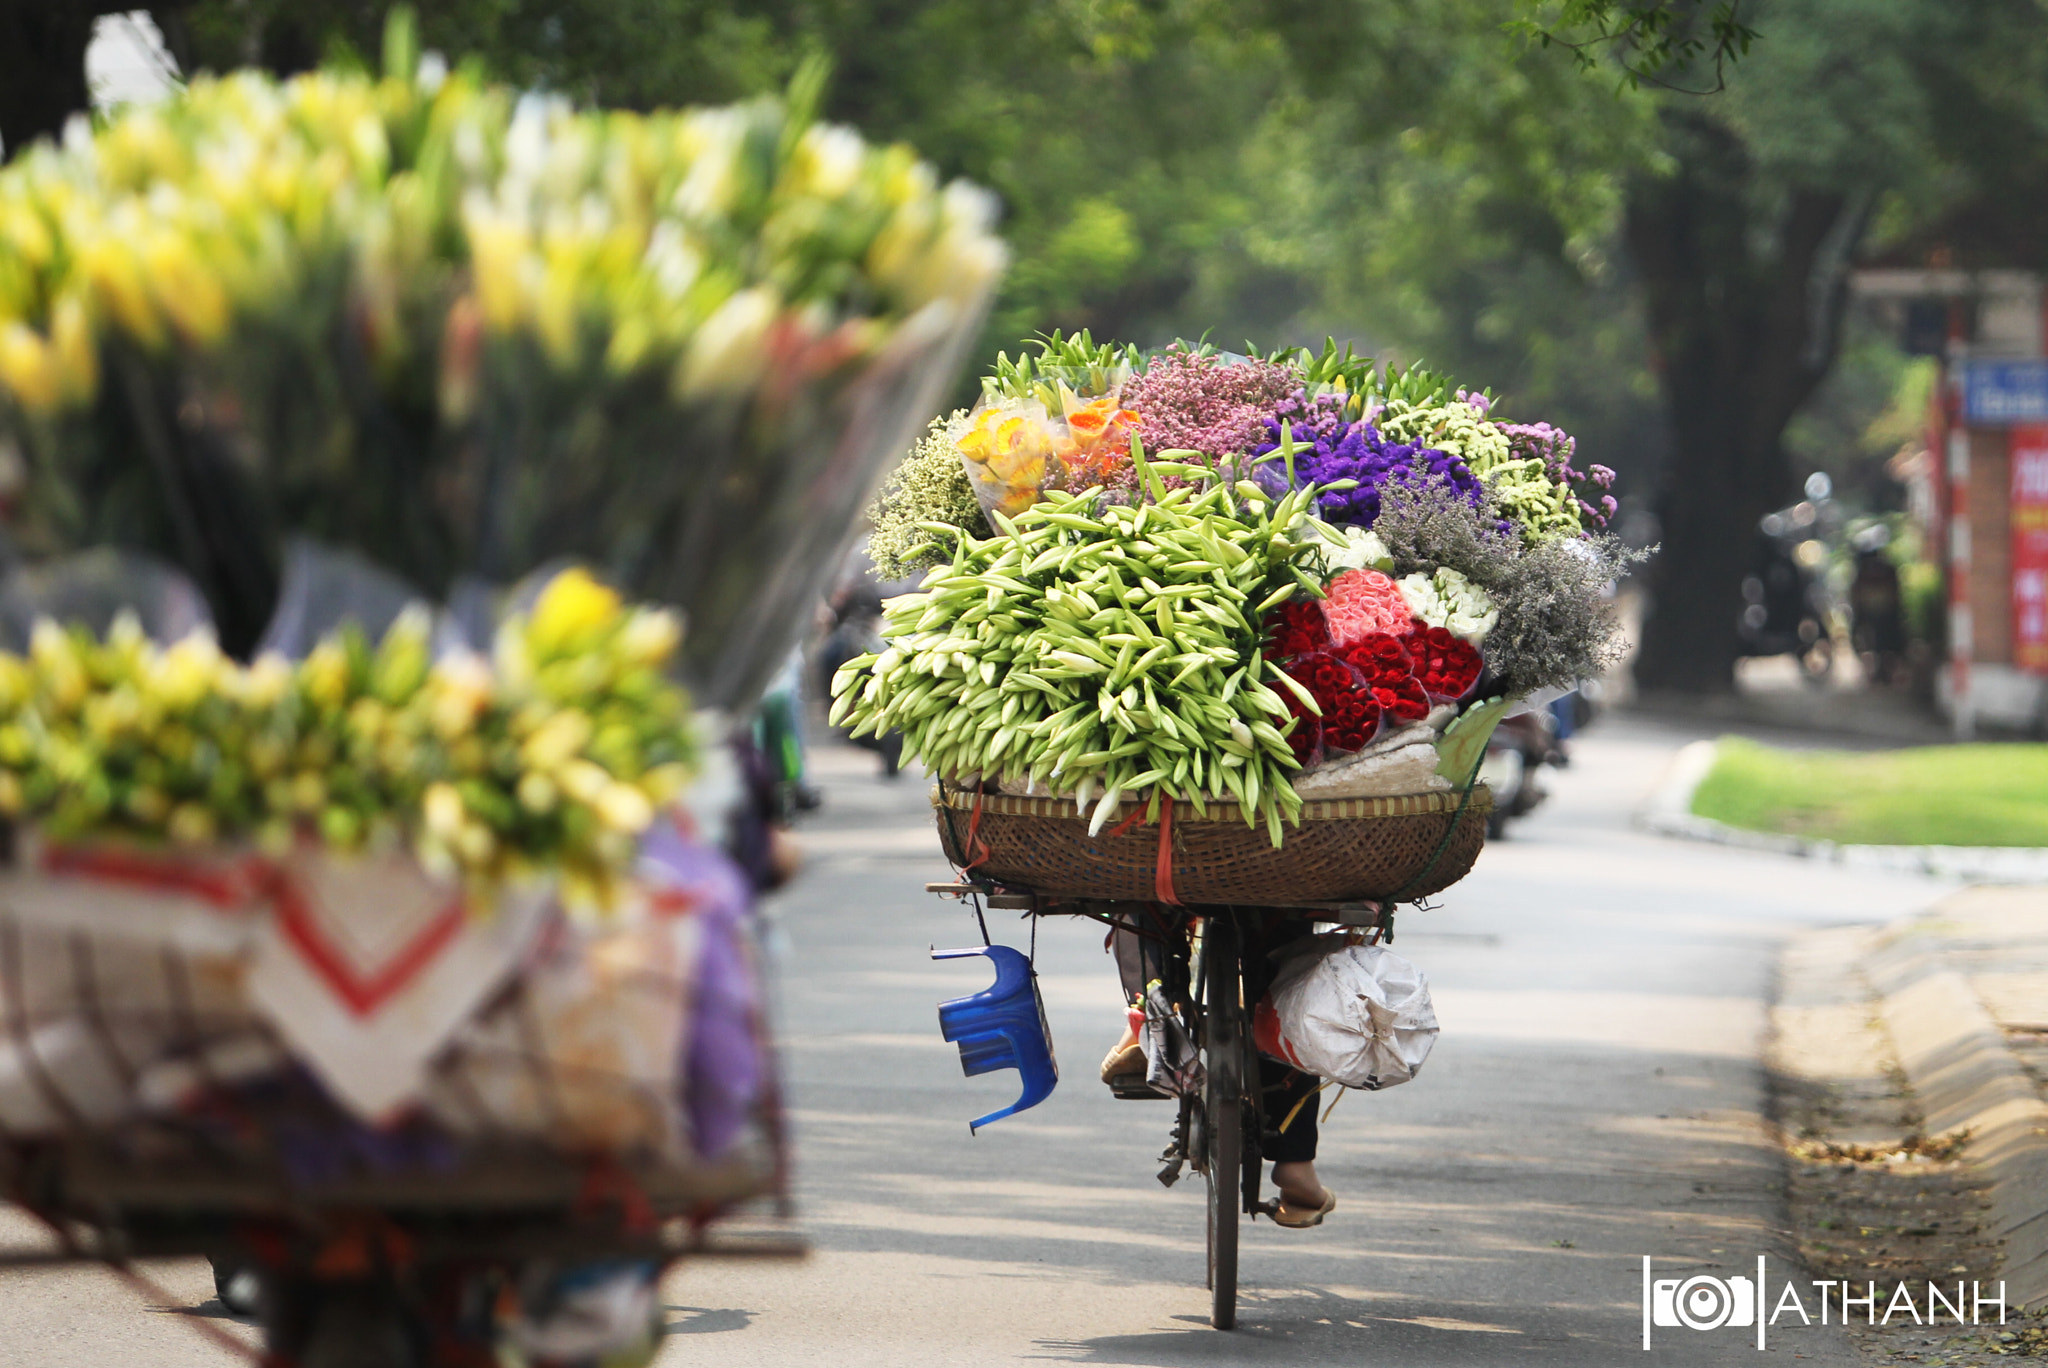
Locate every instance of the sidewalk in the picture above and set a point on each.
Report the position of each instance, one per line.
(1966, 996)
(1958, 997)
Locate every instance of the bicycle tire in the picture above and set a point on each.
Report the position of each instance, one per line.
(1223, 1110)
(342, 1325)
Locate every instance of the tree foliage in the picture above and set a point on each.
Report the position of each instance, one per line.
(1650, 41)
(1531, 192)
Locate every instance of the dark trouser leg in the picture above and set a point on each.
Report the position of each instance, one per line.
(1282, 1087)
(1129, 950)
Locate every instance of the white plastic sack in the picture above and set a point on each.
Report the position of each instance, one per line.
(1358, 1015)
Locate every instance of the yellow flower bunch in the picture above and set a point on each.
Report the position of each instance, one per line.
(697, 244)
(173, 222)
(1008, 451)
(548, 760)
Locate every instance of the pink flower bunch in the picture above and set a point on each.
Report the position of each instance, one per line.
(1557, 449)
(1201, 403)
(1362, 602)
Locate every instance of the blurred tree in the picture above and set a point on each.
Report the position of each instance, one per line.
(1855, 124)
(1506, 247)
(1466, 210)
(1651, 269)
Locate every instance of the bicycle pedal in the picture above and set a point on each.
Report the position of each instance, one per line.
(1270, 1209)
(1132, 1088)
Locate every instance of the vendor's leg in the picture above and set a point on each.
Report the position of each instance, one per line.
(1293, 1149)
(1290, 1097)
(1143, 942)
(1129, 948)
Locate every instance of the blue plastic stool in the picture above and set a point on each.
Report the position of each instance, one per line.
(1002, 1027)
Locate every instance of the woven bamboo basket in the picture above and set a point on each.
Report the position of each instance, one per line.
(1344, 849)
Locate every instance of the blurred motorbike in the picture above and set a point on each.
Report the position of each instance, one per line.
(1513, 769)
(1786, 606)
(856, 630)
(1876, 607)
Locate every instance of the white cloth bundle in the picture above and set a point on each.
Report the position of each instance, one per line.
(1358, 1015)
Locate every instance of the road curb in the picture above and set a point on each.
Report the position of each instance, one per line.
(1669, 813)
(1965, 1078)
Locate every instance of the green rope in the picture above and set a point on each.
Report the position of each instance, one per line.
(1450, 830)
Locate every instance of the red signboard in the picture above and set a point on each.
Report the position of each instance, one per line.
(2029, 448)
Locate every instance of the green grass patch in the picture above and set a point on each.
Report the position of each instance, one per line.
(1925, 795)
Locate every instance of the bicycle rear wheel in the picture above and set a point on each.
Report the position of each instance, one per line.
(1223, 1110)
(341, 1325)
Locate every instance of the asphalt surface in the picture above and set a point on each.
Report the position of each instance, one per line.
(1595, 1097)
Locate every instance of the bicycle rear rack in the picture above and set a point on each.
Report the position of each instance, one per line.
(1363, 916)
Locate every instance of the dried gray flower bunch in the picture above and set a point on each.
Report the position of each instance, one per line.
(1557, 623)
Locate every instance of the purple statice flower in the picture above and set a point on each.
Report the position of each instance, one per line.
(1316, 423)
(1557, 448)
(1328, 449)
(1315, 420)
(1191, 402)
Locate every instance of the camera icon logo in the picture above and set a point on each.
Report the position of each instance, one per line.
(1703, 1303)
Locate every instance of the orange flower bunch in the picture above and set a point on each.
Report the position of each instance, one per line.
(1098, 439)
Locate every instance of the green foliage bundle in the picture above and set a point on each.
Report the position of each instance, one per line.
(1103, 650)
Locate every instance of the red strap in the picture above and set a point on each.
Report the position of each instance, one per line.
(362, 993)
(606, 1182)
(227, 884)
(1163, 880)
(974, 840)
(1137, 815)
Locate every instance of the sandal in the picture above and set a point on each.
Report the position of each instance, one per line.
(1124, 1071)
(1301, 1218)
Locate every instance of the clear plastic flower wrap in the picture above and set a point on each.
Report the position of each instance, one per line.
(1007, 449)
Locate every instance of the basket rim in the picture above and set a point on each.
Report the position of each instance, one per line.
(1222, 811)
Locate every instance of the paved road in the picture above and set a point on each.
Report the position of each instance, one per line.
(1595, 1097)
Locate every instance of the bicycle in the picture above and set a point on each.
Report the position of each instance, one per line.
(1220, 1131)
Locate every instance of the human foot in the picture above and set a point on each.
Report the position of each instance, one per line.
(1125, 1061)
(1125, 1057)
(1304, 1201)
